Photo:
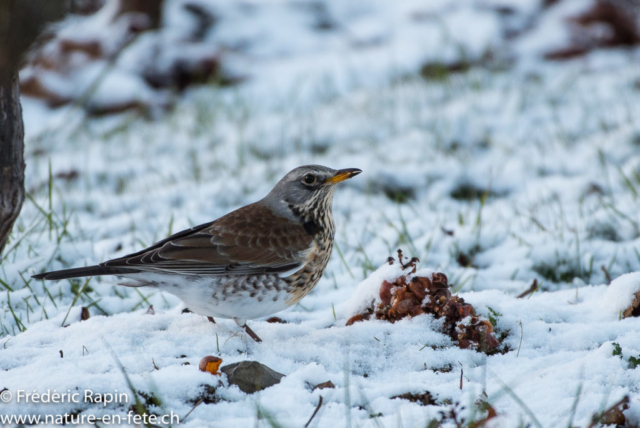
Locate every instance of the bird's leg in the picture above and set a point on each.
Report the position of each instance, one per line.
(211, 320)
(251, 333)
(243, 323)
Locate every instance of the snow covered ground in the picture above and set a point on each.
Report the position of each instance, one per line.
(494, 176)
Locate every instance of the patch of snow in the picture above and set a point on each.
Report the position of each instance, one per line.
(621, 293)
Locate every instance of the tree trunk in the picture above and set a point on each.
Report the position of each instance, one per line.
(11, 155)
(20, 23)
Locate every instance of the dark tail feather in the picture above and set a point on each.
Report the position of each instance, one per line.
(83, 271)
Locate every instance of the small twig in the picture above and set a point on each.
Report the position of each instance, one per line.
(461, 374)
(606, 274)
(315, 412)
(192, 409)
(530, 290)
(521, 336)
(446, 231)
(411, 263)
(231, 337)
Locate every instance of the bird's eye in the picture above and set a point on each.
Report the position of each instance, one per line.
(309, 179)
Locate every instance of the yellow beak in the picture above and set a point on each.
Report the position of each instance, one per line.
(344, 174)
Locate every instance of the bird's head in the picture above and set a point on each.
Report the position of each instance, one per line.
(310, 186)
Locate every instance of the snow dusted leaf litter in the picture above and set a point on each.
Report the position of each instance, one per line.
(493, 177)
(413, 294)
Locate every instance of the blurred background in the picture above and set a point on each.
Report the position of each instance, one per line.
(499, 138)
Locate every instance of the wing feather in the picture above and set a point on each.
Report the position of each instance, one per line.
(250, 240)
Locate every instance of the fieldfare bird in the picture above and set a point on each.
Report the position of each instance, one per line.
(255, 261)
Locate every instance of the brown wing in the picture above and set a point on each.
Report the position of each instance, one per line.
(250, 240)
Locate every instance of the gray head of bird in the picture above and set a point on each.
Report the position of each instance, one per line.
(308, 187)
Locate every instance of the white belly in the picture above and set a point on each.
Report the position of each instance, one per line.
(224, 297)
